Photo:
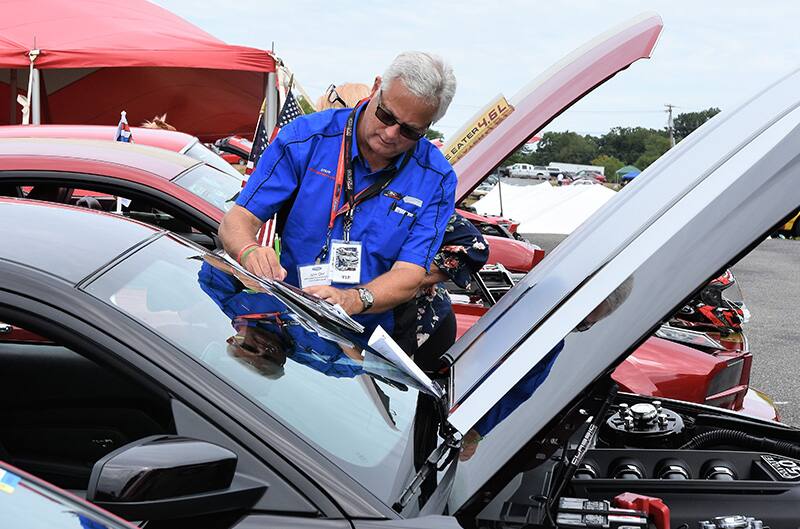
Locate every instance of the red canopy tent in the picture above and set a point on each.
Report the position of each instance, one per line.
(99, 57)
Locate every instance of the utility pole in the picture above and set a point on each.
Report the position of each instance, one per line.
(669, 125)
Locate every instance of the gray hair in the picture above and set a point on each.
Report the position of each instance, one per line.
(425, 75)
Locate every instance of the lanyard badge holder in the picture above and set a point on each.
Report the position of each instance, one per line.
(344, 262)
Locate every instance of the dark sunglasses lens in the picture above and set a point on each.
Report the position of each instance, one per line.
(385, 118)
(410, 133)
(389, 120)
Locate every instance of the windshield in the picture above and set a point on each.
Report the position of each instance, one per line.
(216, 187)
(319, 388)
(198, 151)
(24, 503)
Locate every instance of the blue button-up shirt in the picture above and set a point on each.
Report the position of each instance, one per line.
(301, 163)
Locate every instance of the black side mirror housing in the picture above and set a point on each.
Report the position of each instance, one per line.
(164, 477)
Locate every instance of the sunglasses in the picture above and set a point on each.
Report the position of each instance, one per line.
(333, 96)
(388, 119)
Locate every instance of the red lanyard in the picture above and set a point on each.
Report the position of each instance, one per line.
(345, 180)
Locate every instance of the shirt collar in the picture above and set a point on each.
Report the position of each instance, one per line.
(354, 153)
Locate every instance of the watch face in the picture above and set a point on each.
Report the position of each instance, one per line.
(366, 297)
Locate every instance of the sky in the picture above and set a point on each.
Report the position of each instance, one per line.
(710, 53)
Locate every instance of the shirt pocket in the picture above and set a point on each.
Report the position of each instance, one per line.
(393, 219)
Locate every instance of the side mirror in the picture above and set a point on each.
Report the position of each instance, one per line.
(163, 476)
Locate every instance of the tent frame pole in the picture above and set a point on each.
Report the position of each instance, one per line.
(271, 96)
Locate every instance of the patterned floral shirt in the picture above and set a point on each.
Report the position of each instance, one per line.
(463, 251)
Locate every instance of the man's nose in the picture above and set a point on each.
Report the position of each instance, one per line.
(393, 131)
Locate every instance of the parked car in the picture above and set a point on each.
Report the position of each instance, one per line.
(792, 227)
(170, 140)
(584, 181)
(592, 174)
(163, 188)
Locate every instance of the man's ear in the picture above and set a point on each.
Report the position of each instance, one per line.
(376, 86)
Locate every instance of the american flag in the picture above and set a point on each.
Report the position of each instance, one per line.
(123, 130)
(289, 111)
(260, 141)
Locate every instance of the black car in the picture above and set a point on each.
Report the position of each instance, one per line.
(177, 389)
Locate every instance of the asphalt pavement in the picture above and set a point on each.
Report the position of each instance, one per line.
(770, 281)
(769, 278)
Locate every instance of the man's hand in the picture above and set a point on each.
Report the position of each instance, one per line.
(238, 231)
(264, 262)
(347, 298)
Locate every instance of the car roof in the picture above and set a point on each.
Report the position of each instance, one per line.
(165, 139)
(156, 161)
(79, 242)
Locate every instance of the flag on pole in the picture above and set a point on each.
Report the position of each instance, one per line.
(260, 141)
(289, 111)
(123, 130)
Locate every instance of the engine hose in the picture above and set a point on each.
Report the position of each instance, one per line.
(744, 440)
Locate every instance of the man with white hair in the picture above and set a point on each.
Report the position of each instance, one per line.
(362, 196)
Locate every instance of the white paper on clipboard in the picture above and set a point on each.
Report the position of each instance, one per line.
(386, 346)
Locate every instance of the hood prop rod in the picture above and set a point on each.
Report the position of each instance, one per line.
(583, 447)
(438, 459)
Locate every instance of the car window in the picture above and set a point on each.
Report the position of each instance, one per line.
(198, 151)
(137, 207)
(214, 186)
(318, 388)
(26, 503)
(63, 411)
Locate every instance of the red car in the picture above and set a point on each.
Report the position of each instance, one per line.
(165, 139)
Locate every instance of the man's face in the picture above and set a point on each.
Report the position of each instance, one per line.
(384, 140)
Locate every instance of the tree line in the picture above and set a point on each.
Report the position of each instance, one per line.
(620, 146)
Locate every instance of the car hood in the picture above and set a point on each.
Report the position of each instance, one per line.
(561, 330)
(554, 91)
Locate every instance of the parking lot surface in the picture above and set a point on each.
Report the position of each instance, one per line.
(770, 280)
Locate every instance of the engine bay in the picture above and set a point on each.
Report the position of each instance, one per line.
(659, 465)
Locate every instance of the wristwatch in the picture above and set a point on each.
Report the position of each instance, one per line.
(367, 299)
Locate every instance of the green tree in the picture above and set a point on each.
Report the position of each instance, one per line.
(655, 147)
(568, 147)
(611, 164)
(434, 134)
(629, 143)
(686, 122)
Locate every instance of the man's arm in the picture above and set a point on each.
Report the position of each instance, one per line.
(238, 232)
(271, 184)
(398, 285)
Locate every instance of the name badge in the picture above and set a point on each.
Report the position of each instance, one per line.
(345, 263)
(314, 275)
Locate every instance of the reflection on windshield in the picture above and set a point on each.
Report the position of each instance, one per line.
(316, 387)
(198, 151)
(216, 187)
(527, 386)
(24, 503)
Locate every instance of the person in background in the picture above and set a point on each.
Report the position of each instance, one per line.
(463, 252)
(158, 122)
(346, 95)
